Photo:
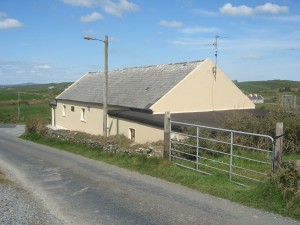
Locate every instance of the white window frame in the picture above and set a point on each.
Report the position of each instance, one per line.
(83, 114)
(64, 110)
(132, 134)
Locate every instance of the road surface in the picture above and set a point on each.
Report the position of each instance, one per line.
(84, 191)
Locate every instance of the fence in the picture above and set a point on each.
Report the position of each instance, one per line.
(288, 103)
(243, 156)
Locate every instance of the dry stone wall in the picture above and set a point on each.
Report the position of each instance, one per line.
(115, 144)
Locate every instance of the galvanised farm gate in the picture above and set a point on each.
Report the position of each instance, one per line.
(244, 156)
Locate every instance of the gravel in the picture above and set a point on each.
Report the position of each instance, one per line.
(18, 206)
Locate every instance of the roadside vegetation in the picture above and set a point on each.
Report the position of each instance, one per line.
(279, 194)
(3, 179)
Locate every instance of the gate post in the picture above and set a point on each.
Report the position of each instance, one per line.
(167, 135)
(278, 147)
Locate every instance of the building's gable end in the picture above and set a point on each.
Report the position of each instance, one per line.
(227, 96)
(202, 91)
(177, 98)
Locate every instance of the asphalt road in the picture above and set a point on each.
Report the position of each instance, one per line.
(83, 191)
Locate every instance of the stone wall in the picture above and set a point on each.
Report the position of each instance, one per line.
(115, 144)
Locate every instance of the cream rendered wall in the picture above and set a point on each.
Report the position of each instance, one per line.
(93, 122)
(72, 120)
(201, 91)
(143, 133)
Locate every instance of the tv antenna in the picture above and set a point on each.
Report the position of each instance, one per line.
(215, 44)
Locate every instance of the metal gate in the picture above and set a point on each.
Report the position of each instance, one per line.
(244, 156)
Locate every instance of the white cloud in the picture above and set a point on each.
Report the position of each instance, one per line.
(86, 3)
(118, 8)
(7, 23)
(243, 10)
(287, 18)
(43, 67)
(165, 23)
(193, 42)
(2, 14)
(197, 30)
(16, 72)
(90, 31)
(271, 8)
(115, 8)
(202, 12)
(252, 57)
(92, 17)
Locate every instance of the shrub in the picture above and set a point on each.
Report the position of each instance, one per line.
(7, 118)
(35, 125)
(287, 180)
(267, 124)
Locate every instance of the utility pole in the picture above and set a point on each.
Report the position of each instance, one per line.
(105, 84)
(18, 105)
(105, 80)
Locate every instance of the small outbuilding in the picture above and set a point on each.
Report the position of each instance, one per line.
(139, 96)
(256, 98)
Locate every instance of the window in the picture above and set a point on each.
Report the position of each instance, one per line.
(82, 114)
(72, 108)
(64, 110)
(132, 134)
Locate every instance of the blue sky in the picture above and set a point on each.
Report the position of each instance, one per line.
(41, 41)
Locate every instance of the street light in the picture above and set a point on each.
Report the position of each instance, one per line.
(105, 83)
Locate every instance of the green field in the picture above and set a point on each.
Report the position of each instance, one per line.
(20, 103)
(272, 91)
(268, 86)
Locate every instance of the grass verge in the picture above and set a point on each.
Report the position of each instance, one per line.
(3, 179)
(266, 196)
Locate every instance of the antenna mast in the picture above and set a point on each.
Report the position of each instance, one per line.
(216, 55)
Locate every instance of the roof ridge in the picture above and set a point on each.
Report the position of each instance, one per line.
(165, 64)
(149, 66)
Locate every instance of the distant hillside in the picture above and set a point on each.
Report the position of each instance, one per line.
(269, 85)
(17, 85)
(32, 91)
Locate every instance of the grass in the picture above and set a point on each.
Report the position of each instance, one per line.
(27, 112)
(34, 101)
(265, 196)
(269, 85)
(292, 157)
(4, 180)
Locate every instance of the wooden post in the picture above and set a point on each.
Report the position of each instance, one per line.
(167, 134)
(278, 147)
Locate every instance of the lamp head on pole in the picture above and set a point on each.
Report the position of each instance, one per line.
(89, 38)
(96, 39)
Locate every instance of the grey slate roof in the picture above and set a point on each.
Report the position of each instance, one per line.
(137, 87)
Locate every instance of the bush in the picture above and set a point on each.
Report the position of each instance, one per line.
(267, 124)
(7, 118)
(35, 125)
(287, 180)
